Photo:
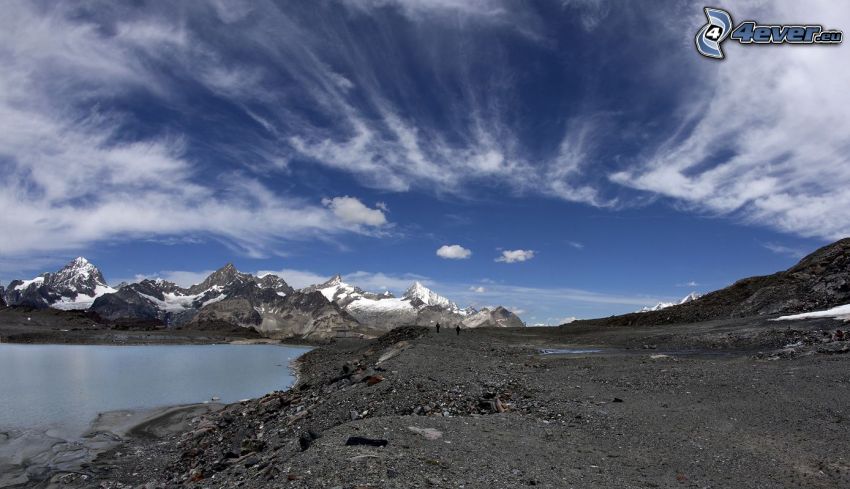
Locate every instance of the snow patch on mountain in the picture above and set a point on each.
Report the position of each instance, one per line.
(82, 301)
(26, 283)
(838, 312)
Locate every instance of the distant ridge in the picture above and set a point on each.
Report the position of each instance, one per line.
(821, 280)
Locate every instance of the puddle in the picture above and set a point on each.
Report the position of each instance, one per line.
(569, 351)
(694, 353)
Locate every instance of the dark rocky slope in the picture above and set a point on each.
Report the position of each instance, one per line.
(819, 281)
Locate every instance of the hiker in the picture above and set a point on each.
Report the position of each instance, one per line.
(438, 327)
(458, 329)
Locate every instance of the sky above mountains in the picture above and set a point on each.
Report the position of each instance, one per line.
(561, 158)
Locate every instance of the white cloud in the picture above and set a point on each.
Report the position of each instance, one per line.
(453, 252)
(477, 289)
(576, 245)
(515, 256)
(769, 153)
(352, 211)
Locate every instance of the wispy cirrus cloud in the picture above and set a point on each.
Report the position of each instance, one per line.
(781, 249)
(73, 177)
(770, 153)
(78, 155)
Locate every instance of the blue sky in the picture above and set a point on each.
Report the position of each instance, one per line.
(577, 158)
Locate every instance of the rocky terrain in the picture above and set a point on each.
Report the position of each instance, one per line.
(819, 281)
(716, 404)
(263, 303)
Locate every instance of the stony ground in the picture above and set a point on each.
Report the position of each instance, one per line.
(722, 404)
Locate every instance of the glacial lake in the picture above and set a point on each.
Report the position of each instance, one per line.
(62, 388)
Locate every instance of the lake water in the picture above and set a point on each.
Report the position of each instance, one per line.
(62, 388)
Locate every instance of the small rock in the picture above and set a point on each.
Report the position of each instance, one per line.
(373, 379)
(251, 461)
(250, 445)
(306, 439)
(372, 442)
(195, 475)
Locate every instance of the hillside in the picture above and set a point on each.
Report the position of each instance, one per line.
(819, 281)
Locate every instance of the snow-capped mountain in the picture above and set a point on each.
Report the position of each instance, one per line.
(335, 290)
(663, 305)
(74, 286)
(419, 293)
(498, 317)
(419, 305)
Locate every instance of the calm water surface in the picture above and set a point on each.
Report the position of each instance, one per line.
(64, 387)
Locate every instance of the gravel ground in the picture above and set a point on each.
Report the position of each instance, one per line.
(720, 404)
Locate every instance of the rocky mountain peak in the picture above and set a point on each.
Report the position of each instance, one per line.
(272, 281)
(78, 275)
(418, 292)
(221, 278)
(79, 261)
(690, 297)
(334, 281)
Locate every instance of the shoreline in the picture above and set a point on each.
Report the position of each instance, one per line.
(45, 456)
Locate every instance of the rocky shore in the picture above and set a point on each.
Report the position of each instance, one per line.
(52, 326)
(736, 403)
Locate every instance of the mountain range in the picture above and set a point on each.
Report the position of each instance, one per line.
(266, 303)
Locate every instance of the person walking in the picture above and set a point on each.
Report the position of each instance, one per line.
(458, 329)
(438, 327)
